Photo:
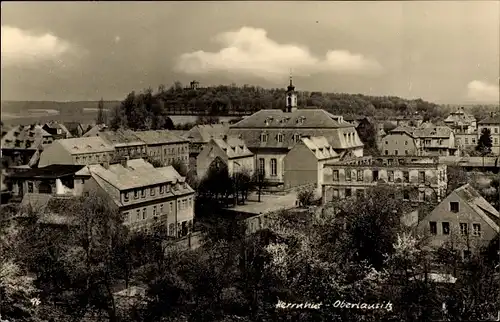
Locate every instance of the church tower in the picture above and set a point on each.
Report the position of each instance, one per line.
(291, 97)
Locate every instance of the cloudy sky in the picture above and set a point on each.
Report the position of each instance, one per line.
(446, 52)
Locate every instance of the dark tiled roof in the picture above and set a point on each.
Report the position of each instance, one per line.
(159, 137)
(487, 212)
(49, 172)
(491, 120)
(301, 118)
(204, 133)
(27, 137)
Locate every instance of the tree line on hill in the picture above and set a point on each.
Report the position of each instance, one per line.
(355, 252)
(150, 109)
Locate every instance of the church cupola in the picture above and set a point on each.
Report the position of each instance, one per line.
(291, 97)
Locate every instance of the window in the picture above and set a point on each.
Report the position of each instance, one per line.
(263, 137)
(143, 213)
(161, 209)
(296, 138)
(464, 229)
(476, 229)
(360, 175)
(496, 130)
(274, 167)
(171, 230)
(466, 140)
(335, 193)
(152, 191)
(421, 176)
(395, 152)
(454, 207)
(125, 196)
(154, 211)
(169, 188)
(406, 152)
(280, 137)
(433, 227)
(348, 192)
(360, 193)
(261, 165)
(421, 195)
(496, 141)
(386, 152)
(184, 204)
(170, 207)
(143, 193)
(138, 214)
(406, 142)
(406, 176)
(190, 203)
(30, 187)
(335, 175)
(126, 217)
(390, 175)
(375, 175)
(386, 142)
(348, 175)
(446, 228)
(406, 195)
(162, 187)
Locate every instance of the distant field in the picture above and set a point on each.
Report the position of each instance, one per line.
(16, 113)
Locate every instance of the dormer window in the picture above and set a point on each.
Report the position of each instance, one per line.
(263, 137)
(280, 137)
(296, 138)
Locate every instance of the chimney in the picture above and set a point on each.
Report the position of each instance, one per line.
(224, 137)
(105, 165)
(124, 161)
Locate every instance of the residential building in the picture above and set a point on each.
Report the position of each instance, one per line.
(57, 130)
(125, 143)
(84, 150)
(231, 151)
(418, 178)
(146, 196)
(21, 142)
(464, 219)
(75, 128)
(466, 141)
(56, 179)
(425, 141)
(461, 122)
(94, 130)
(200, 135)
(414, 120)
(493, 123)
(165, 147)
(304, 163)
(271, 134)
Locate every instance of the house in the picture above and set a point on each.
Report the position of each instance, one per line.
(304, 163)
(271, 134)
(95, 129)
(125, 143)
(230, 150)
(165, 147)
(21, 142)
(84, 150)
(427, 140)
(55, 179)
(145, 195)
(57, 130)
(75, 128)
(461, 122)
(493, 123)
(414, 120)
(200, 135)
(464, 219)
(418, 178)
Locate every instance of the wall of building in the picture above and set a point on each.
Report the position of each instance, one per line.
(301, 167)
(241, 164)
(466, 214)
(267, 157)
(207, 156)
(169, 152)
(398, 144)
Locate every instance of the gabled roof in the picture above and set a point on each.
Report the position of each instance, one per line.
(56, 125)
(159, 137)
(94, 130)
(492, 119)
(204, 133)
(27, 136)
(403, 129)
(486, 211)
(300, 118)
(321, 148)
(93, 144)
(427, 131)
(233, 147)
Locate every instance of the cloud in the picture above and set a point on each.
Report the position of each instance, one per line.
(23, 47)
(483, 92)
(250, 51)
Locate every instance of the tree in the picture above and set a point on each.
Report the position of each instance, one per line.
(180, 167)
(306, 197)
(484, 143)
(101, 115)
(259, 181)
(456, 176)
(368, 135)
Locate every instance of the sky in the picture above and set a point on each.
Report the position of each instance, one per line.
(444, 52)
